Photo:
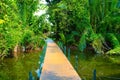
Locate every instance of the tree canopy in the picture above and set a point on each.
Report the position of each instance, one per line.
(86, 22)
(80, 23)
(18, 25)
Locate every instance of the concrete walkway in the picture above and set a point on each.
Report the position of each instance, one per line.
(56, 66)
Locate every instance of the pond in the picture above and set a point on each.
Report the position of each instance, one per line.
(12, 69)
(107, 67)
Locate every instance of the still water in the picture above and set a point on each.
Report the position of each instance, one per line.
(12, 69)
(107, 67)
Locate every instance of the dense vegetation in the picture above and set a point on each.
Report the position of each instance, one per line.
(84, 24)
(19, 28)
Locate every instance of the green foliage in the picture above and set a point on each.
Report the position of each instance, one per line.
(27, 37)
(60, 44)
(114, 43)
(82, 43)
(115, 51)
(62, 37)
(16, 25)
(10, 33)
(117, 36)
(37, 41)
(70, 38)
(112, 39)
(41, 25)
(72, 22)
(104, 18)
(26, 10)
(1, 21)
(100, 11)
(69, 18)
(85, 22)
(97, 43)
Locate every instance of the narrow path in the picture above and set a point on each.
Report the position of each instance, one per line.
(56, 66)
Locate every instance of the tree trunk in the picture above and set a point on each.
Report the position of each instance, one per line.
(15, 51)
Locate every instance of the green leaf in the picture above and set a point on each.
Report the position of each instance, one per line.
(62, 36)
(112, 39)
(114, 51)
(1, 21)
